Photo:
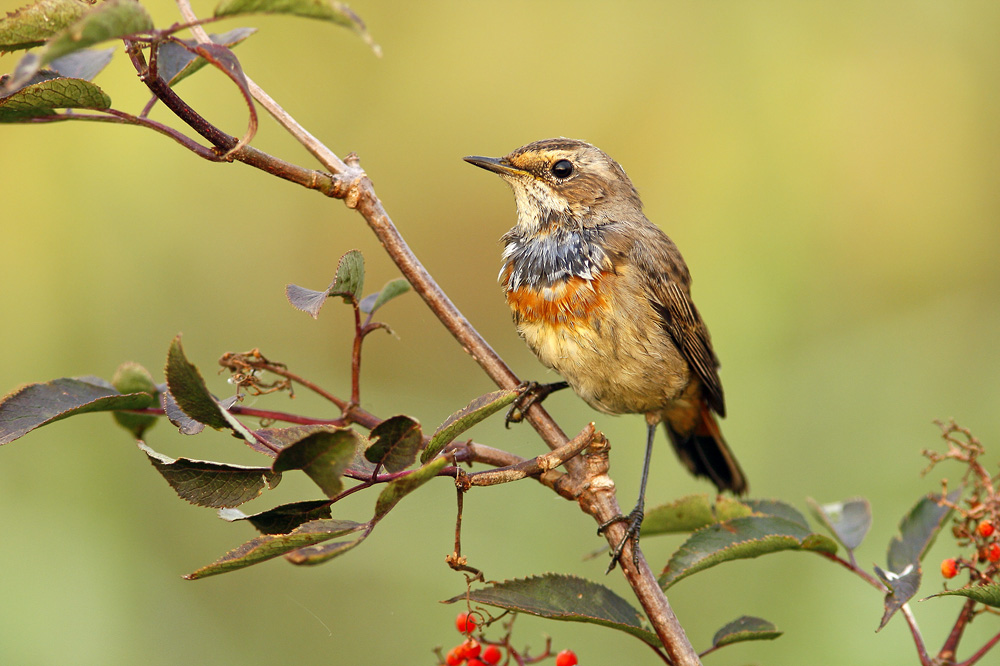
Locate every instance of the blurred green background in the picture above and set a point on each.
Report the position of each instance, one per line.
(830, 171)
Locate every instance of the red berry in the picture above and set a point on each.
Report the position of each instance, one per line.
(491, 655)
(475, 661)
(949, 568)
(470, 648)
(985, 529)
(454, 657)
(465, 623)
(993, 552)
(566, 658)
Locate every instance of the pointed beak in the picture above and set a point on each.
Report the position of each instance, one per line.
(495, 164)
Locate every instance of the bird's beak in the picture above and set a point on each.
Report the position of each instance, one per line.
(495, 164)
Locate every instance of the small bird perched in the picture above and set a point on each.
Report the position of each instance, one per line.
(602, 297)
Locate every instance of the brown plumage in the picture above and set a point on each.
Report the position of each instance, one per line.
(602, 296)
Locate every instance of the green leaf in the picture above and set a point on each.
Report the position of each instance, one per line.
(691, 513)
(267, 547)
(326, 10)
(109, 20)
(848, 521)
(35, 405)
(773, 507)
(175, 63)
(350, 277)
(902, 586)
(347, 284)
(44, 97)
(185, 424)
(918, 530)
(984, 594)
(281, 519)
(188, 389)
(395, 443)
(312, 555)
(323, 455)
(740, 538)
(403, 486)
(281, 438)
(746, 628)
(567, 598)
(478, 410)
(32, 25)
(133, 378)
(391, 290)
(212, 484)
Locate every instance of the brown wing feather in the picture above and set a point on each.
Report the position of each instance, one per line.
(670, 297)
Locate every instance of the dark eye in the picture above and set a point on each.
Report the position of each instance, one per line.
(562, 169)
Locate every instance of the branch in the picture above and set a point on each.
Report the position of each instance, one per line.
(587, 482)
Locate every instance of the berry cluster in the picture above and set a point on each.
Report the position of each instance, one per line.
(987, 551)
(471, 651)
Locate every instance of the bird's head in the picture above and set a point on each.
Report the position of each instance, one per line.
(564, 182)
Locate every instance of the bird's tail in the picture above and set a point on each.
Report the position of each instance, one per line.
(696, 438)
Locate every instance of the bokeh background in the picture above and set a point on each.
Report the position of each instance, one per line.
(830, 171)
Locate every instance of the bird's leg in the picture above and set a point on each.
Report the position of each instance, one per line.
(634, 519)
(532, 393)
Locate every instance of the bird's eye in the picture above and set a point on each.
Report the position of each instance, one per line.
(562, 169)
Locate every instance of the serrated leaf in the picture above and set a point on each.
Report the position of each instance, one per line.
(740, 538)
(773, 507)
(326, 10)
(267, 547)
(189, 390)
(478, 410)
(85, 64)
(323, 456)
(902, 586)
(984, 594)
(279, 438)
(307, 300)
(391, 290)
(395, 443)
(567, 598)
(350, 277)
(212, 484)
(691, 513)
(281, 519)
(185, 424)
(401, 487)
(35, 405)
(109, 20)
(347, 284)
(848, 521)
(44, 97)
(30, 26)
(175, 63)
(323, 552)
(746, 628)
(133, 378)
(918, 530)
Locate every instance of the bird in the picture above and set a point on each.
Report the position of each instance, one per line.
(602, 296)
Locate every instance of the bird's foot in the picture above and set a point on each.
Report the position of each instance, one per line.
(531, 393)
(634, 521)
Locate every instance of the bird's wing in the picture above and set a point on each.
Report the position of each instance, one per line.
(671, 299)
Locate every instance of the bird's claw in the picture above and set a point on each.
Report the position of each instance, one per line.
(531, 393)
(634, 521)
